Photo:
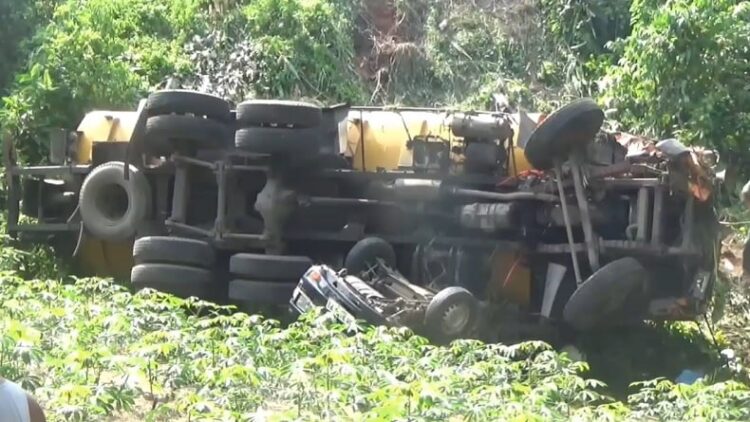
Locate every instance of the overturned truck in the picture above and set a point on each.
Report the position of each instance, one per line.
(191, 195)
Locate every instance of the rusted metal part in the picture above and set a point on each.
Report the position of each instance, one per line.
(566, 217)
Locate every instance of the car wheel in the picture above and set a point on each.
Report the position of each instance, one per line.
(451, 314)
(365, 253)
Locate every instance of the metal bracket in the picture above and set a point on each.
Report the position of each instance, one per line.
(566, 217)
(583, 205)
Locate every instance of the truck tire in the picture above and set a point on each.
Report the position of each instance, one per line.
(601, 299)
(364, 254)
(173, 250)
(451, 314)
(178, 280)
(278, 112)
(176, 130)
(261, 292)
(180, 101)
(269, 267)
(111, 207)
(273, 140)
(574, 124)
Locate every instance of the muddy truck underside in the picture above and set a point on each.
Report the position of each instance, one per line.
(193, 196)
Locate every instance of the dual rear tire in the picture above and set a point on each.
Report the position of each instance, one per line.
(186, 121)
(278, 127)
(180, 266)
(259, 280)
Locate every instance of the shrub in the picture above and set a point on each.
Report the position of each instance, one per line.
(683, 72)
(95, 54)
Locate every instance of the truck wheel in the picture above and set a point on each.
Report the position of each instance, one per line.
(173, 250)
(365, 253)
(269, 267)
(180, 101)
(175, 130)
(574, 124)
(178, 280)
(451, 314)
(111, 207)
(273, 140)
(276, 112)
(261, 292)
(601, 299)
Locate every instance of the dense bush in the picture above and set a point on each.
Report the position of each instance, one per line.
(19, 19)
(684, 72)
(95, 54)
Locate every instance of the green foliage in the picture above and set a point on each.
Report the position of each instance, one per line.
(19, 19)
(304, 48)
(92, 349)
(684, 72)
(95, 54)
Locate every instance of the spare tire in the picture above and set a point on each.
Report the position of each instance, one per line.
(173, 250)
(572, 125)
(365, 253)
(180, 101)
(275, 140)
(269, 267)
(111, 207)
(603, 298)
(167, 132)
(277, 112)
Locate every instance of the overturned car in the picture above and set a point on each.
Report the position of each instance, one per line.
(552, 214)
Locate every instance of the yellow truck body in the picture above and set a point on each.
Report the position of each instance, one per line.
(374, 140)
